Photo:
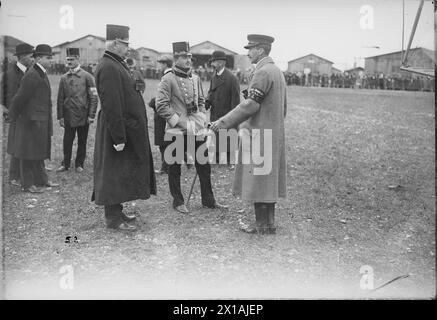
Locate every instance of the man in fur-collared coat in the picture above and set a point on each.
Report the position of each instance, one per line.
(123, 164)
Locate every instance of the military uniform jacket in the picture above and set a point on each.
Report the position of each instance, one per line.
(121, 176)
(31, 110)
(223, 94)
(77, 98)
(267, 85)
(11, 84)
(174, 92)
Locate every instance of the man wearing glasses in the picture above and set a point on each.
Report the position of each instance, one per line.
(123, 164)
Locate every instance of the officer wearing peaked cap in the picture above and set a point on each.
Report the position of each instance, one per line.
(123, 164)
(264, 110)
(76, 109)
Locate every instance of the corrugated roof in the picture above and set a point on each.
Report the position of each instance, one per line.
(428, 52)
(311, 54)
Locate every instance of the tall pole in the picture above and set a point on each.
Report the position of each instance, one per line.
(413, 31)
(403, 29)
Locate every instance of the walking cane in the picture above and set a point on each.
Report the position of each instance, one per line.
(191, 189)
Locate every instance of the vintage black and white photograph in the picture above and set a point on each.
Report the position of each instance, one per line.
(212, 150)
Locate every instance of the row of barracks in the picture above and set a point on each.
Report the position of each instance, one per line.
(92, 47)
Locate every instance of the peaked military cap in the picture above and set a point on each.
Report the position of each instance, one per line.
(218, 55)
(257, 39)
(117, 32)
(72, 52)
(181, 48)
(23, 48)
(166, 58)
(43, 50)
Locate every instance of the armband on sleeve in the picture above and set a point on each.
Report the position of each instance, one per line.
(256, 95)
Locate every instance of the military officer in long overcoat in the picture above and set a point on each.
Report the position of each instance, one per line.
(261, 114)
(123, 164)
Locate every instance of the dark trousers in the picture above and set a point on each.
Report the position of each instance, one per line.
(32, 172)
(164, 166)
(69, 135)
(265, 214)
(204, 172)
(113, 215)
(14, 169)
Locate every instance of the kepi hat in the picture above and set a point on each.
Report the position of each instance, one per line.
(117, 32)
(73, 52)
(181, 48)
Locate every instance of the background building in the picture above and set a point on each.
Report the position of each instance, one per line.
(389, 63)
(91, 49)
(310, 63)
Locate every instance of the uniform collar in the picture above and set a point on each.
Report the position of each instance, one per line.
(263, 61)
(21, 66)
(41, 67)
(167, 70)
(74, 71)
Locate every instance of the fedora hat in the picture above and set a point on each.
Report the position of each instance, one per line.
(23, 48)
(218, 55)
(43, 50)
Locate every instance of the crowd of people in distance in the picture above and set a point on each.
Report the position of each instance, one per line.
(364, 81)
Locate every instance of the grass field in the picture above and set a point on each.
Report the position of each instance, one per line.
(361, 191)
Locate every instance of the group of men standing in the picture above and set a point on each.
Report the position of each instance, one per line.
(28, 104)
(123, 163)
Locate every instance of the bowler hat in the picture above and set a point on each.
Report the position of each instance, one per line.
(72, 52)
(117, 32)
(257, 39)
(43, 50)
(181, 48)
(166, 58)
(218, 55)
(23, 48)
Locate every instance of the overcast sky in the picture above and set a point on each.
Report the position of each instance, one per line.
(336, 29)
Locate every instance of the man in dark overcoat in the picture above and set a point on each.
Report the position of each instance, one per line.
(260, 115)
(123, 164)
(31, 110)
(13, 76)
(223, 96)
